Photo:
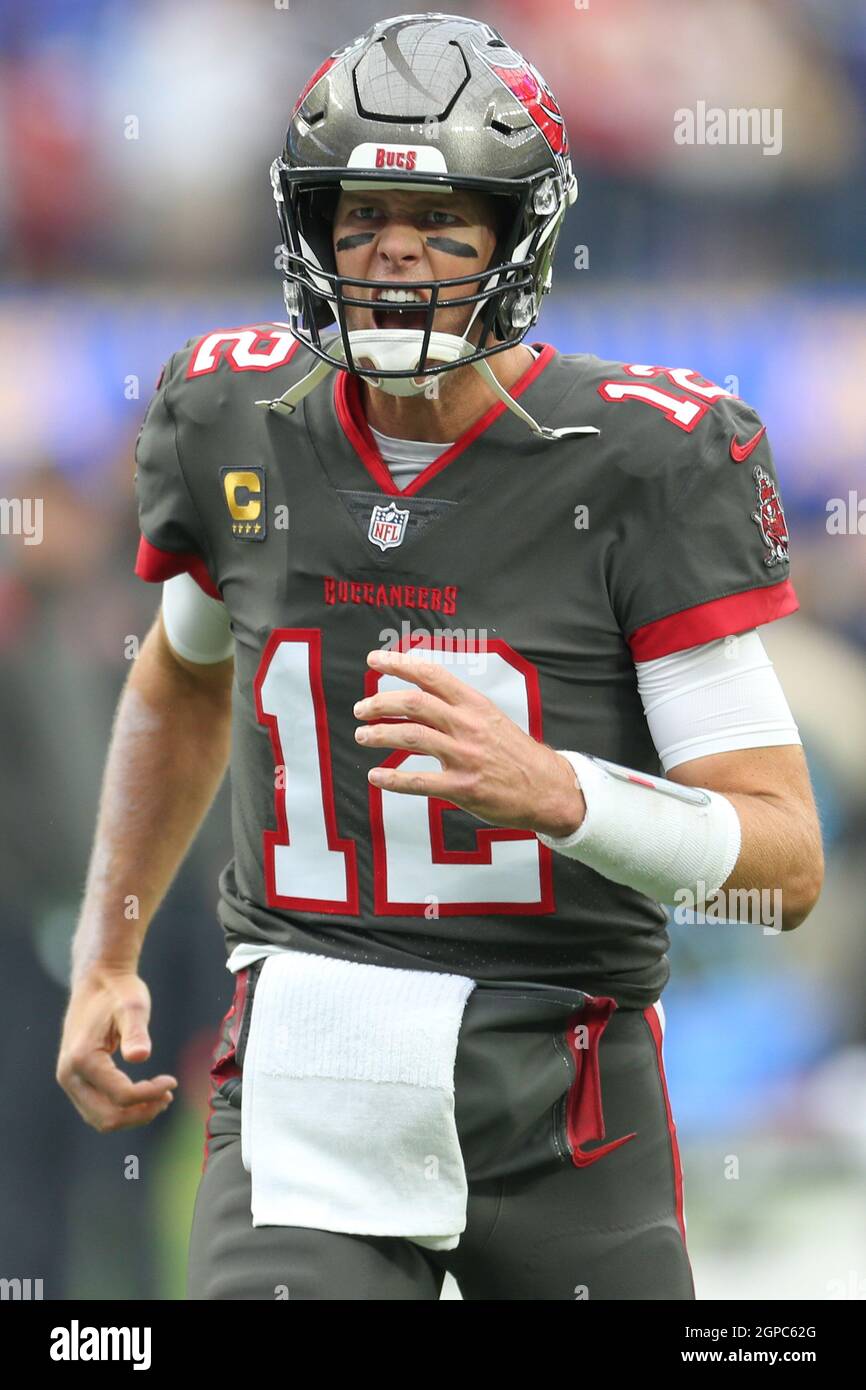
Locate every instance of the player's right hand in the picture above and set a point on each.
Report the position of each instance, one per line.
(110, 1009)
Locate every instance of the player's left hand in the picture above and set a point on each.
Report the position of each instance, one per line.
(490, 767)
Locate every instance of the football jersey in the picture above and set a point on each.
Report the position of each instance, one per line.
(537, 571)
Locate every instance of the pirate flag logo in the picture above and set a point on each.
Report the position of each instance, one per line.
(769, 517)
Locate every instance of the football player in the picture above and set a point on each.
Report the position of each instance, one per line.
(476, 622)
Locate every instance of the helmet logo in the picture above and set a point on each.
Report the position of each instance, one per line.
(523, 79)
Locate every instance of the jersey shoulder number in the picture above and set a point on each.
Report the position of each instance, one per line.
(254, 348)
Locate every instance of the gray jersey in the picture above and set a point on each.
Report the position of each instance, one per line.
(540, 571)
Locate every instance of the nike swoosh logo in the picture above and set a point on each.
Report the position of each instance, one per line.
(740, 452)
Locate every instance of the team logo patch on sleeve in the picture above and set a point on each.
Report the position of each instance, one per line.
(769, 517)
(387, 526)
(244, 492)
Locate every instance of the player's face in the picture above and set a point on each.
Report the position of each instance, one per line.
(405, 236)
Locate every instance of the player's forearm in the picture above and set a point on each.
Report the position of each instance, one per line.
(167, 757)
(780, 855)
(677, 841)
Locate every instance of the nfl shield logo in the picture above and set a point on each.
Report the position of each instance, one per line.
(387, 526)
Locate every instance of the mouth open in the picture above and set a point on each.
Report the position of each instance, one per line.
(392, 318)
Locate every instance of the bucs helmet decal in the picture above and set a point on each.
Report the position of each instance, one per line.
(523, 79)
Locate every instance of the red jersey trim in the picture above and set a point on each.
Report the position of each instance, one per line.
(350, 412)
(721, 617)
(155, 566)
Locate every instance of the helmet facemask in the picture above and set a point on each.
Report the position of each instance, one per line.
(504, 301)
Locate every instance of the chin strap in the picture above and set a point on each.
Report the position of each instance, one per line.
(288, 402)
(483, 367)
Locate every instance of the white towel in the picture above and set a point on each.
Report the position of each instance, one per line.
(347, 1110)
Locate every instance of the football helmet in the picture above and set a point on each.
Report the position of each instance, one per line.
(433, 102)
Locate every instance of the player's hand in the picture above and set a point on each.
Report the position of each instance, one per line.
(110, 1009)
(490, 767)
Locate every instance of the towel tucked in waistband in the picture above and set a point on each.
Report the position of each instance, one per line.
(347, 1114)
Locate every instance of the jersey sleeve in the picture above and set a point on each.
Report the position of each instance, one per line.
(172, 538)
(709, 557)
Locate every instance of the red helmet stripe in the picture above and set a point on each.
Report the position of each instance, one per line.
(320, 72)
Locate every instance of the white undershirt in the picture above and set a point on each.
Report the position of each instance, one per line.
(406, 458)
(712, 698)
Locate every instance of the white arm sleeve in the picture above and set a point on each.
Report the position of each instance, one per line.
(714, 698)
(197, 626)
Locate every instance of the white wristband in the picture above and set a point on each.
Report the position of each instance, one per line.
(648, 833)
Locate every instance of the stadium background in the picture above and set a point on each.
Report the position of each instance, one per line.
(135, 211)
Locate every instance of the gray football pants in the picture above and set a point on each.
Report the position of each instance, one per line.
(570, 1150)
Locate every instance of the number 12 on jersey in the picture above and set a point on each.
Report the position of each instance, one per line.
(310, 867)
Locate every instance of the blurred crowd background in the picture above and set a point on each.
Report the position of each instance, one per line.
(135, 211)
